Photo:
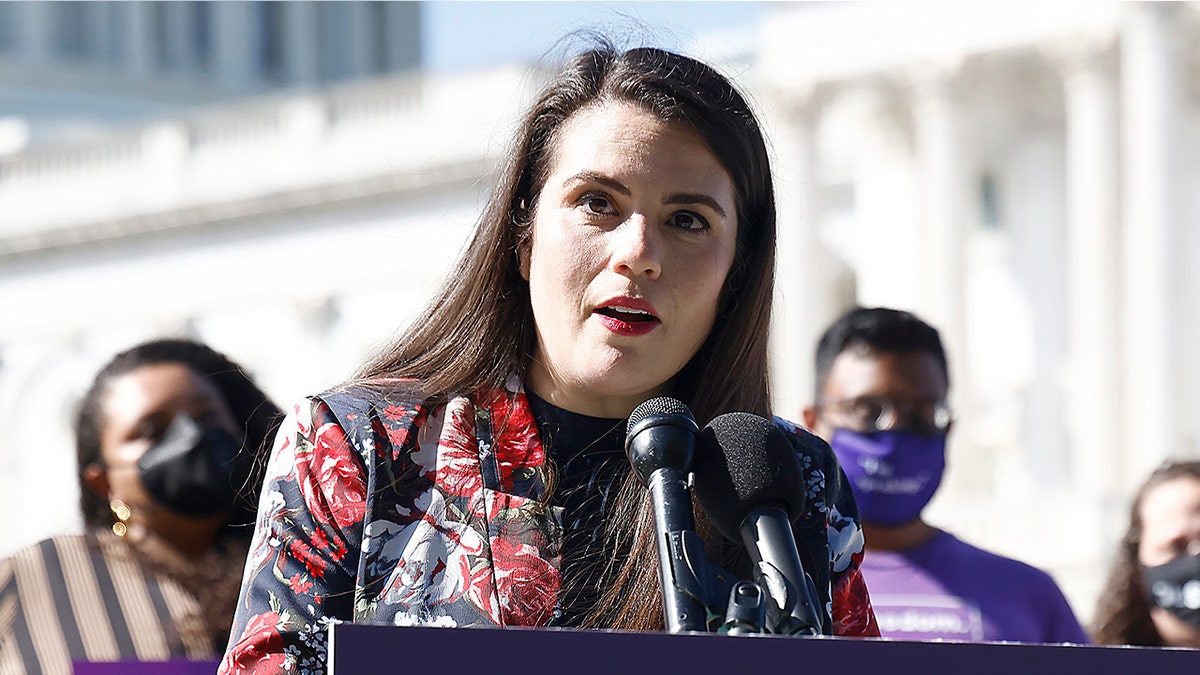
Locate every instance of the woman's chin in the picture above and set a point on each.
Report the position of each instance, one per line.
(619, 398)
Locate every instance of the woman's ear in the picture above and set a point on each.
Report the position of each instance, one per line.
(96, 478)
(523, 219)
(809, 414)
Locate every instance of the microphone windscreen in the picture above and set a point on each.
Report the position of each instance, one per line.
(661, 434)
(661, 405)
(743, 463)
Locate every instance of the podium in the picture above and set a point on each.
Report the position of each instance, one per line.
(356, 649)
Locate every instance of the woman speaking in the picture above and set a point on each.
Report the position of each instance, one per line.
(474, 472)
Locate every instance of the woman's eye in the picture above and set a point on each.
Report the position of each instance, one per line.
(687, 220)
(597, 204)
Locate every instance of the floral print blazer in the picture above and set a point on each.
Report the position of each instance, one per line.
(379, 508)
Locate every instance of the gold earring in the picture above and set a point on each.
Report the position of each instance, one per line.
(121, 510)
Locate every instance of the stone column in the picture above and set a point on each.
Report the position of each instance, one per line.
(1151, 86)
(177, 37)
(301, 49)
(235, 35)
(1094, 418)
(946, 185)
(138, 39)
(36, 30)
(801, 284)
(361, 38)
(402, 37)
(105, 32)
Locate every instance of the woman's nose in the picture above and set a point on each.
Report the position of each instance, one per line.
(634, 249)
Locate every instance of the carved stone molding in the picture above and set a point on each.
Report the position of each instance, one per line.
(230, 212)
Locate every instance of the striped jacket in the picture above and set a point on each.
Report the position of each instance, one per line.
(91, 597)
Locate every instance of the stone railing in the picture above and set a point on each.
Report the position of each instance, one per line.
(410, 125)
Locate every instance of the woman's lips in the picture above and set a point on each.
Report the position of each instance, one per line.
(627, 316)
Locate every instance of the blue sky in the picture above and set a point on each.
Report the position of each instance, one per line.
(460, 35)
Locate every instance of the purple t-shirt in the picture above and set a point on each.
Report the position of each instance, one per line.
(947, 589)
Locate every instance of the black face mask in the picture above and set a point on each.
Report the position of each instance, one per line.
(193, 470)
(1175, 586)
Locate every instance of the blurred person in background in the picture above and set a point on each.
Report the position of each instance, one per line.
(882, 383)
(168, 439)
(1152, 596)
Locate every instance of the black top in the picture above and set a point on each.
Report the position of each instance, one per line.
(590, 464)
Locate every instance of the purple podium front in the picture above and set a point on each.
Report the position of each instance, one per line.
(356, 649)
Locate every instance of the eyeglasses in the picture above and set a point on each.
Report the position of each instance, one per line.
(868, 414)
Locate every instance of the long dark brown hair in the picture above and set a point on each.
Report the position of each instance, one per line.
(479, 328)
(257, 416)
(1123, 611)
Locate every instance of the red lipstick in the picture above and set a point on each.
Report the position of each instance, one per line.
(627, 316)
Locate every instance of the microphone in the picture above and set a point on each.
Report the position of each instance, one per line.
(660, 441)
(750, 483)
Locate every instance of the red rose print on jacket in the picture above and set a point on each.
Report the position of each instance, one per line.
(518, 446)
(433, 560)
(852, 612)
(526, 585)
(331, 476)
(400, 421)
(259, 649)
(458, 471)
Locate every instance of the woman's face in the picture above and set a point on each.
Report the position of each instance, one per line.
(1170, 518)
(633, 236)
(136, 409)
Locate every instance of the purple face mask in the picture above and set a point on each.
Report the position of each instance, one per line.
(893, 473)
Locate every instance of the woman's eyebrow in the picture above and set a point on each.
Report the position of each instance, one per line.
(593, 177)
(687, 198)
(683, 199)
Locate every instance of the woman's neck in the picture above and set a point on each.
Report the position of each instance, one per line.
(584, 401)
(184, 539)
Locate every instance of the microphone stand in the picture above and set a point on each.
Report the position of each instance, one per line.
(680, 553)
(793, 607)
(697, 587)
(747, 610)
(660, 443)
(701, 592)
